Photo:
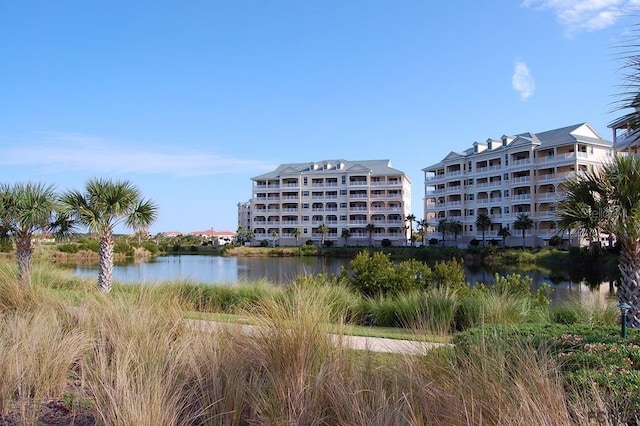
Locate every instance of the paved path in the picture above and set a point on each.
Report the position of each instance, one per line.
(373, 344)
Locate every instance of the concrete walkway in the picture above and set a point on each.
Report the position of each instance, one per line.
(373, 344)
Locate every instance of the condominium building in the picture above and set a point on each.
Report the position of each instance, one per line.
(368, 198)
(626, 136)
(507, 177)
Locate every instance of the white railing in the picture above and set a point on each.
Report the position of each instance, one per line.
(521, 179)
(521, 162)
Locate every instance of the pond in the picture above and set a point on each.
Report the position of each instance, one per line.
(282, 270)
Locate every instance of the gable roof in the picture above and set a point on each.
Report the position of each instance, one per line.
(377, 167)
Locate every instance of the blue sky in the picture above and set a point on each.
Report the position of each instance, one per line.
(190, 99)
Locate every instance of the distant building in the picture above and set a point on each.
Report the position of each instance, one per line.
(290, 204)
(506, 177)
(171, 234)
(218, 238)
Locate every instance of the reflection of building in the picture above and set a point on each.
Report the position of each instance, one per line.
(321, 200)
(514, 175)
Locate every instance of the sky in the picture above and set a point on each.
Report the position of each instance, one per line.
(189, 100)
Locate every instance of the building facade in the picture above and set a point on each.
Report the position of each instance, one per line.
(318, 201)
(508, 177)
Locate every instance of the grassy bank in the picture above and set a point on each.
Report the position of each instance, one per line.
(128, 358)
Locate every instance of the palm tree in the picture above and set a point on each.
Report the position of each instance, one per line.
(582, 206)
(483, 222)
(274, 234)
(323, 229)
(410, 218)
(523, 223)
(504, 233)
(617, 192)
(422, 226)
(24, 210)
(455, 227)
(346, 234)
(443, 227)
(370, 229)
(296, 233)
(241, 234)
(103, 206)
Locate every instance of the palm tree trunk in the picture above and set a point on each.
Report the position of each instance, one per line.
(24, 256)
(629, 290)
(105, 253)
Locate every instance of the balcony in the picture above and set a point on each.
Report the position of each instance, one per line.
(521, 179)
(550, 196)
(522, 162)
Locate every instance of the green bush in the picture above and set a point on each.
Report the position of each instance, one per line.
(68, 248)
(375, 274)
(449, 274)
(151, 247)
(385, 242)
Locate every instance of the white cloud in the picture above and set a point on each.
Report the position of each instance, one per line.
(522, 80)
(585, 15)
(59, 152)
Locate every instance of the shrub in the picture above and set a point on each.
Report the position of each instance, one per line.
(555, 241)
(264, 243)
(68, 248)
(474, 243)
(372, 273)
(328, 243)
(151, 247)
(375, 274)
(433, 241)
(449, 274)
(386, 242)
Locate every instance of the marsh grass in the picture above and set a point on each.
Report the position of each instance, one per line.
(135, 359)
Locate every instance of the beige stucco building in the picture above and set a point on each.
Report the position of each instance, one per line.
(300, 197)
(506, 177)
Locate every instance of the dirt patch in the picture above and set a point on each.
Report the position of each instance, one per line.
(51, 413)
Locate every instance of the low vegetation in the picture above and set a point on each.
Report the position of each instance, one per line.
(129, 357)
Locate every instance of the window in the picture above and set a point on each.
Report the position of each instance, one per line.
(470, 228)
(343, 205)
(344, 180)
(305, 218)
(343, 217)
(506, 210)
(343, 192)
(505, 176)
(305, 206)
(506, 193)
(305, 231)
(305, 193)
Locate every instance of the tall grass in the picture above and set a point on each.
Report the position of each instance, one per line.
(139, 363)
(491, 384)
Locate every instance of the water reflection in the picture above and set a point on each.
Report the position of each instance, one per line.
(282, 270)
(217, 269)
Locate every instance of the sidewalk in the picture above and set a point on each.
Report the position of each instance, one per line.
(373, 344)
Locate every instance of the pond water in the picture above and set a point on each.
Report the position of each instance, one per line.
(282, 270)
